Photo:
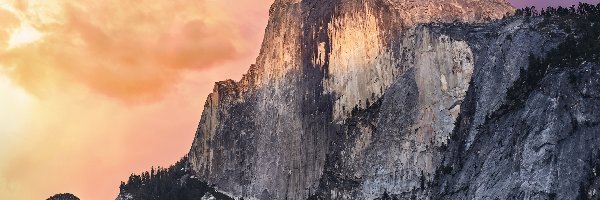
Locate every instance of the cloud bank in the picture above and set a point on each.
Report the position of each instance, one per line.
(125, 49)
(92, 91)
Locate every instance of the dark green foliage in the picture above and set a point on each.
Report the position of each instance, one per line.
(445, 169)
(314, 197)
(386, 196)
(522, 87)
(572, 78)
(65, 196)
(422, 180)
(582, 44)
(592, 179)
(527, 11)
(580, 9)
(582, 193)
(552, 196)
(173, 183)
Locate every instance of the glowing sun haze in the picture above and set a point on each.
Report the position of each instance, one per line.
(92, 91)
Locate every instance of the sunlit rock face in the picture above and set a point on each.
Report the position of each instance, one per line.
(414, 11)
(357, 41)
(347, 99)
(431, 92)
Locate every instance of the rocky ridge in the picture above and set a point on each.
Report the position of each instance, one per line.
(401, 99)
(320, 60)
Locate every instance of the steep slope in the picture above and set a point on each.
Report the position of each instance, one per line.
(541, 140)
(408, 99)
(268, 135)
(174, 183)
(548, 149)
(401, 146)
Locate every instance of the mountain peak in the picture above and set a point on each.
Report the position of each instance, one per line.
(357, 99)
(452, 10)
(416, 11)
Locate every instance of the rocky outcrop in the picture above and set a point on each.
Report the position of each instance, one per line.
(401, 99)
(395, 147)
(270, 135)
(538, 143)
(403, 138)
(547, 149)
(355, 99)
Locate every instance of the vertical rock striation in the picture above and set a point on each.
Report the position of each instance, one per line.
(406, 99)
(347, 99)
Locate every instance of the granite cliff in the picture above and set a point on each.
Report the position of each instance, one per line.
(401, 99)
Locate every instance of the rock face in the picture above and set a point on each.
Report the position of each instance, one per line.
(547, 149)
(270, 134)
(353, 99)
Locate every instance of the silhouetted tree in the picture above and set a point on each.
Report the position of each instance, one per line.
(65, 196)
(173, 183)
(582, 43)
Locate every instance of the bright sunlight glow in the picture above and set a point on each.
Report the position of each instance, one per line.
(24, 35)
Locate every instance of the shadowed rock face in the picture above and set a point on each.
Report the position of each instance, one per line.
(353, 99)
(546, 149)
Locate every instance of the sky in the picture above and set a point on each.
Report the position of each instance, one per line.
(92, 91)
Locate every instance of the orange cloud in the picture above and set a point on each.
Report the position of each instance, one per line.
(8, 21)
(129, 50)
(92, 91)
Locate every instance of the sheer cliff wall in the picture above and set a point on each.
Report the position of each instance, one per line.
(291, 127)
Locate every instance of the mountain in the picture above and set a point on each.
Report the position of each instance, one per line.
(395, 99)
